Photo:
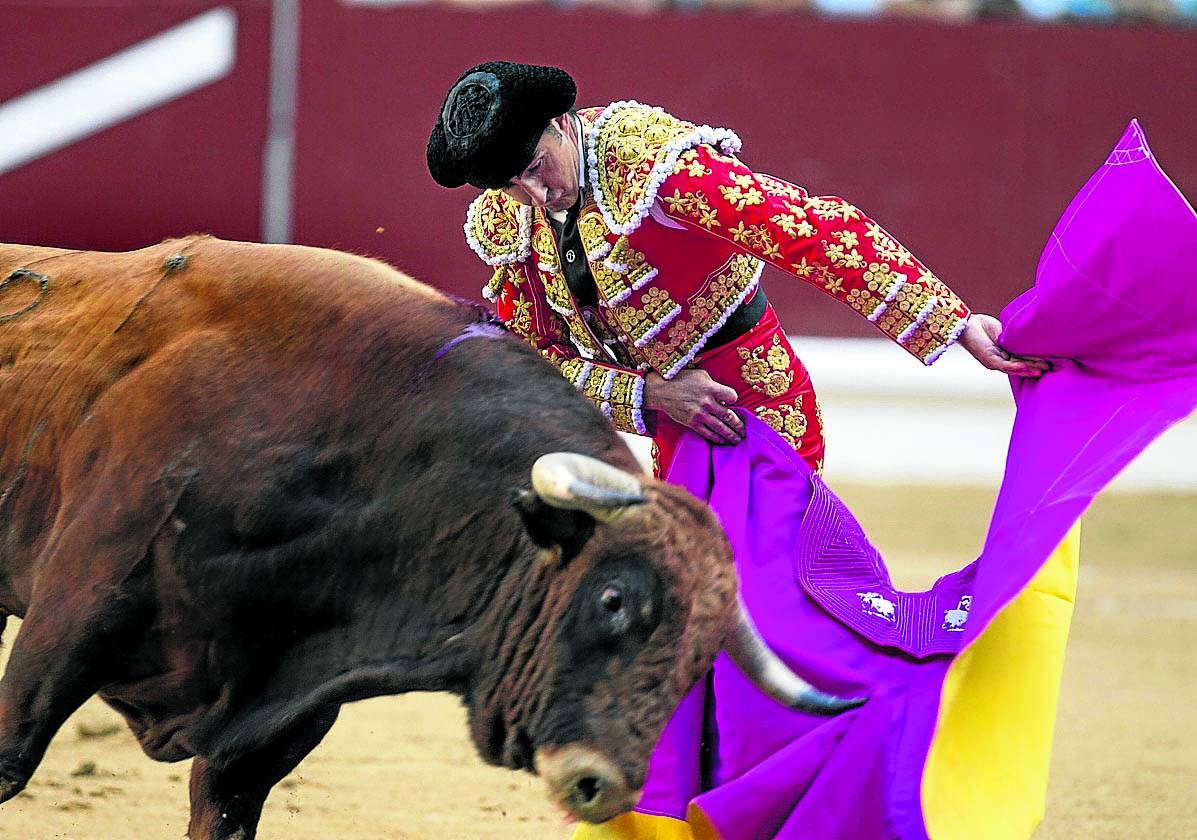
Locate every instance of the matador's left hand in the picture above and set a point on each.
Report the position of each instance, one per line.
(980, 339)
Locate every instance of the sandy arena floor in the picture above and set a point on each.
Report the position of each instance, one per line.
(1125, 763)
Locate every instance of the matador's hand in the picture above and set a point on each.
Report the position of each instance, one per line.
(980, 339)
(698, 402)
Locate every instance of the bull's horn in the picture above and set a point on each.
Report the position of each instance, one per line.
(577, 482)
(761, 665)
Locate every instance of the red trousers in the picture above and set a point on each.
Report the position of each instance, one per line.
(769, 380)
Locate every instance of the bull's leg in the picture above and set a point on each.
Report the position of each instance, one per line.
(58, 660)
(226, 802)
(86, 603)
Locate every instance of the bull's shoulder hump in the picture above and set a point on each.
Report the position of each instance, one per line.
(336, 272)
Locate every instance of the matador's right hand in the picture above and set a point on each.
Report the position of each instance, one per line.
(698, 402)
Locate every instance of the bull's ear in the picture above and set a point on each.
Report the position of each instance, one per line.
(552, 527)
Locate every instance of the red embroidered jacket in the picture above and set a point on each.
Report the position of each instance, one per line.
(677, 231)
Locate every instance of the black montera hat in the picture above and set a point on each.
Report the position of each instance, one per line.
(492, 120)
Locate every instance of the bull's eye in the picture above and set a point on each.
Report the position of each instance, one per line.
(611, 599)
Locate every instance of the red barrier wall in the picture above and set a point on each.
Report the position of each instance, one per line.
(193, 164)
(966, 142)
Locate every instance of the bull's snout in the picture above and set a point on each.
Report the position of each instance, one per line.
(585, 783)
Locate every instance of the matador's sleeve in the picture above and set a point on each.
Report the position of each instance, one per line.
(823, 240)
(618, 392)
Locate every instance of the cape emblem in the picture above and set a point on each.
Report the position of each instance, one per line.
(875, 604)
(953, 619)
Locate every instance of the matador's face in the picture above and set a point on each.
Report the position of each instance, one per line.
(550, 180)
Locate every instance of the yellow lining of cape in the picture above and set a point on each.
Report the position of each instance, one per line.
(986, 771)
(636, 826)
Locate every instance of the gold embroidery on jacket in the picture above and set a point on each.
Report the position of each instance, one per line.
(656, 309)
(693, 205)
(495, 224)
(628, 144)
(787, 419)
(689, 163)
(743, 193)
(782, 189)
(758, 238)
(831, 209)
(719, 293)
(593, 232)
(771, 375)
(521, 316)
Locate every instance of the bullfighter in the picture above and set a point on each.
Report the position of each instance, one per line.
(626, 245)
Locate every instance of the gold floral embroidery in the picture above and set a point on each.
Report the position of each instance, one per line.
(787, 419)
(742, 196)
(882, 279)
(798, 228)
(831, 208)
(521, 316)
(694, 205)
(497, 280)
(545, 246)
(708, 219)
(782, 189)
(592, 230)
(802, 268)
(832, 282)
(887, 247)
(758, 238)
(843, 256)
(771, 375)
(689, 163)
(629, 144)
(847, 238)
(556, 292)
(668, 349)
(494, 222)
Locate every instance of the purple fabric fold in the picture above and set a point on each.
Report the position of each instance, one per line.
(1114, 305)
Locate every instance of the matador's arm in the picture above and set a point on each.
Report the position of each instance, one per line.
(822, 240)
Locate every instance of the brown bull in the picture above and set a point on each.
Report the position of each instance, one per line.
(241, 485)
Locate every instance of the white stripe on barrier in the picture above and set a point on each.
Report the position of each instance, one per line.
(114, 89)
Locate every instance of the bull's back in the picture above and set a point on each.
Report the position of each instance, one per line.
(77, 327)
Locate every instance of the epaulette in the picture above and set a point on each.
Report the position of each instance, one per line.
(499, 228)
(632, 150)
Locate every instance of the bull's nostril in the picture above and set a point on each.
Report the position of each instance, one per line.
(588, 789)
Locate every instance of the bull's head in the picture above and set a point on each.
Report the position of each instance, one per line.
(632, 597)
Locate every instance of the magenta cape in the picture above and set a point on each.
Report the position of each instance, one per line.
(1114, 304)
